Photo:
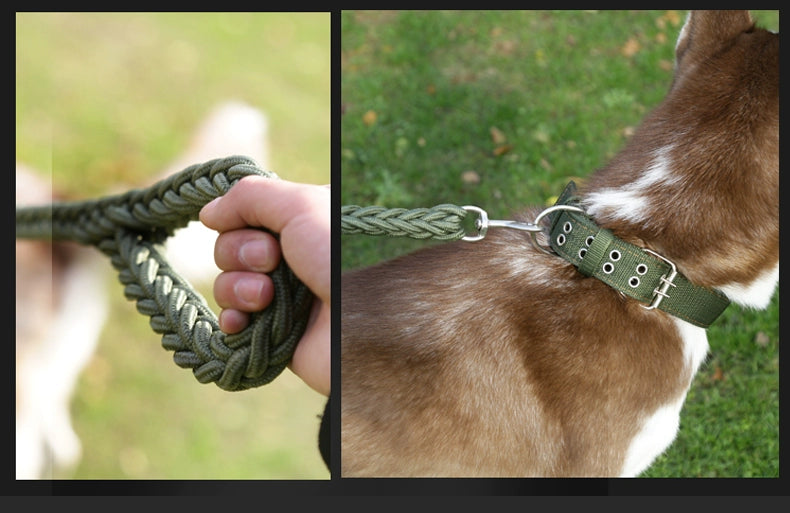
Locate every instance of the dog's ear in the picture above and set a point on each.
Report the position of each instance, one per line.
(705, 32)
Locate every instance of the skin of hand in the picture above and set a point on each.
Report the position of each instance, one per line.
(300, 214)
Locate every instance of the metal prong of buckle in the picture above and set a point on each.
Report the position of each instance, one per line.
(660, 292)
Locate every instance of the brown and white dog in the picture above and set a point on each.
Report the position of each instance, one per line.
(526, 367)
(61, 307)
(62, 303)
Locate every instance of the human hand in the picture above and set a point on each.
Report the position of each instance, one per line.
(300, 214)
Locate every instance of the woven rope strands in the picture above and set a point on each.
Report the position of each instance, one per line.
(129, 228)
(442, 222)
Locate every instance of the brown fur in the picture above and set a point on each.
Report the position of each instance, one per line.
(494, 359)
(722, 118)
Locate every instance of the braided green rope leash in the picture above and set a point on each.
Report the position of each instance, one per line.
(442, 222)
(130, 228)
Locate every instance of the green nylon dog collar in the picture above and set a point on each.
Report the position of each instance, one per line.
(636, 272)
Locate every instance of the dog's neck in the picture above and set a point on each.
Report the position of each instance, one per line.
(684, 187)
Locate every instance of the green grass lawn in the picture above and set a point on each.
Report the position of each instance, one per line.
(501, 110)
(105, 101)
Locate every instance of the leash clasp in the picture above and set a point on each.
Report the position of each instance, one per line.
(483, 223)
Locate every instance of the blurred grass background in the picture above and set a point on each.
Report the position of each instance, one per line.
(501, 109)
(109, 99)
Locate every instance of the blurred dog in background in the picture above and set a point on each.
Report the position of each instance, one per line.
(62, 301)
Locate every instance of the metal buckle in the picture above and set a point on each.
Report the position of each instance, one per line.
(660, 292)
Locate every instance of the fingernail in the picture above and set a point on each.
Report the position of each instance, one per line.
(255, 255)
(249, 290)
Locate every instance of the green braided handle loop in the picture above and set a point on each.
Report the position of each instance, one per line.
(130, 228)
(442, 222)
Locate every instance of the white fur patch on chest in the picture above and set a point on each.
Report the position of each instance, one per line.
(756, 294)
(656, 435)
(660, 429)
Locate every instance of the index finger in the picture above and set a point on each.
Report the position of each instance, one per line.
(262, 202)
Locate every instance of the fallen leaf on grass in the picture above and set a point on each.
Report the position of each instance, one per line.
(541, 134)
(497, 135)
(470, 177)
(670, 16)
(630, 48)
(505, 47)
(369, 118)
(673, 17)
(761, 339)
